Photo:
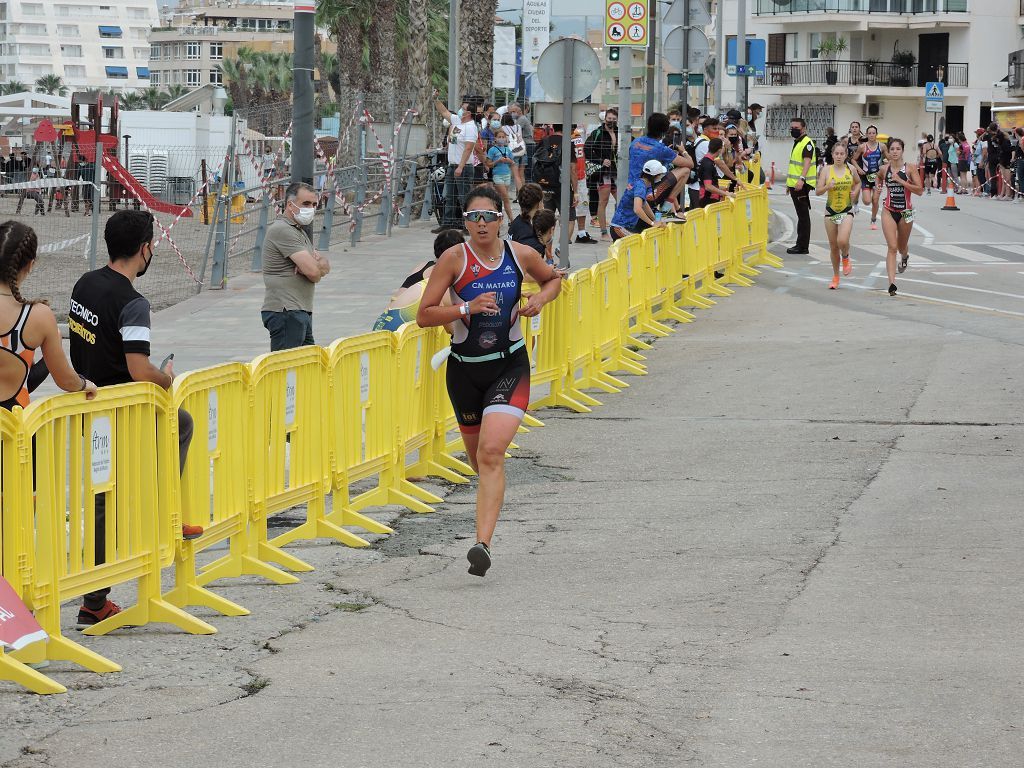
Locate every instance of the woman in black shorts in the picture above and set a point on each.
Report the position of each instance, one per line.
(488, 374)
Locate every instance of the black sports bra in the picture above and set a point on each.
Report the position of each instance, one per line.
(417, 276)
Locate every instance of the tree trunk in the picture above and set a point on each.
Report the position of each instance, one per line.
(322, 94)
(476, 47)
(419, 57)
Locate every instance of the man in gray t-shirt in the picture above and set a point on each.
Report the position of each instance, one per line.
(291, 269)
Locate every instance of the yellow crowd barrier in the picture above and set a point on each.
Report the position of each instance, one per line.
(299, 427)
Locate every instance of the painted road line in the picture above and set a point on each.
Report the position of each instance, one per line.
(877, 273)
(1015, 248)
(929, 238)
(963, 288)
(965, 253)
(962, 304)
(954, 273)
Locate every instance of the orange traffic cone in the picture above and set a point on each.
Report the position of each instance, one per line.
(950, 203)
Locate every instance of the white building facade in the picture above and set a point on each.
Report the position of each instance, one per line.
(888, 51)
(88, 45)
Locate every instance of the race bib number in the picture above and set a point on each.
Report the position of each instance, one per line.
(872, 177)
(908, 215)
(838, 218)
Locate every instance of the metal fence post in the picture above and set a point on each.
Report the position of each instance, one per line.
(357, 209)
(261, 232)
(427, 211)
(384, 221)
(410, 190)
(94, 235)
(325, 229)
(219, 273)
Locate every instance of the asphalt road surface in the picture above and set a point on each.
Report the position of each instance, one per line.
(966, 267)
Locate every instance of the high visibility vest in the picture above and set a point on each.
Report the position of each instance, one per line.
(796, 164)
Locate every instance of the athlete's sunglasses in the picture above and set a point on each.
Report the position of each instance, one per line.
(488, 217)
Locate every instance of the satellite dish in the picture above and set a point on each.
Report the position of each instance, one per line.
(586, 69)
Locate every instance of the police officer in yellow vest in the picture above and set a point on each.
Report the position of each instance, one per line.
(800, 181)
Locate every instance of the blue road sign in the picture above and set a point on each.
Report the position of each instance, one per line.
(934, 95)
(757, 52)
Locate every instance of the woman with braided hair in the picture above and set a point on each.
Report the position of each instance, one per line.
(29, 325)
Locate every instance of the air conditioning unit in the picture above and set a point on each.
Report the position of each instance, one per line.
(873, 109)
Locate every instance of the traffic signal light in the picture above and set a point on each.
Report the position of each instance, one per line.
(613, 53)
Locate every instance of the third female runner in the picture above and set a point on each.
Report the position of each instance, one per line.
(901, 180)
(488, 372)
(842, 187)
(869, 159)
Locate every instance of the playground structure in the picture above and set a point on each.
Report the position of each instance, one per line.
(94, 122)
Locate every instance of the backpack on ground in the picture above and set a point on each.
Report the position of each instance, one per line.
(547, 163)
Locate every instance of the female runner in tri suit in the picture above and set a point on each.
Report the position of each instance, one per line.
(404, 302)
(29, 325)
(869, 158)
(901, 180)
(842, 183)
(488, 372)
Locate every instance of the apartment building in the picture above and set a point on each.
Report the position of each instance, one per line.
(87, 45)
(192, 40)
(833, 61)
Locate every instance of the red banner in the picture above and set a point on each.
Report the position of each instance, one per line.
(18, 627)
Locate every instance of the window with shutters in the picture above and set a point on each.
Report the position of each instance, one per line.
(777, 48)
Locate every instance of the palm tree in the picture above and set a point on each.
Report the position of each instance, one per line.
(154, 98)
(13, 86)
(234, 73)
(417, 54)
(51, 85)
(176, 91)
(476, 44)
(130, 100)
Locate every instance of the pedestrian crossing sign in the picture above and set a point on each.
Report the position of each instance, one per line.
(934, 95)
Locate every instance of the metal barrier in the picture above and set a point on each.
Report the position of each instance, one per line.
(216, 492)
(365, 432)
(111, 459)
(290, 460)
(295, 426)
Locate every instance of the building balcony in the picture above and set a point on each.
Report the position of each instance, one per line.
(870, 7)
(811, 75)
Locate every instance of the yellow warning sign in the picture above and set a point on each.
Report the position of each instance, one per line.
(626, 23)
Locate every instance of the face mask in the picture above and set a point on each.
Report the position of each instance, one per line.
(796, 133)
(460, 113)
(143, 270)
(734, 139)
(495, 124)
(689, 131)
(304, 216)
(677, 125)
(501, 142)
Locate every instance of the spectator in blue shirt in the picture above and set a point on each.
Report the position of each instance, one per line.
(633, 214)
(651, 147)
(500, 160)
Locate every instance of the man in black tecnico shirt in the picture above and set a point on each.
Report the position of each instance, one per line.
(109, 328)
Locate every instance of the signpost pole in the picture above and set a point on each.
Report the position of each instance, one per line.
(719, 57)
(625, 116)
(686, 55)
(741, 56)
(566, 214)
(653, 75)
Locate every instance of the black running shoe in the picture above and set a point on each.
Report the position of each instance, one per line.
(585, 238)
(892, 289)
(479, 557)
(902, 266)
